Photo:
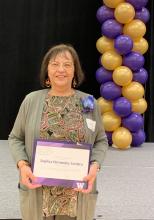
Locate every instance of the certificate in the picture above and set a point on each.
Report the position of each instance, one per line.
(60, 163)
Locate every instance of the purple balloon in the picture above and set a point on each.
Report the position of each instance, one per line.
(140, 76)
(143, 15)
(123, 44)
(138, 138)
(138, 4)
(103, 75)
(133, 60)
(110, 90)
(103, 13)
(109, 137)
(133, 122)
(122, 107)
(111, 28)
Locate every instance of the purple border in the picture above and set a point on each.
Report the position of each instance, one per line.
(66, 144)
(60, 182)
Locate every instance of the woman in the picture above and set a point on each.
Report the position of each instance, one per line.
(59, 112)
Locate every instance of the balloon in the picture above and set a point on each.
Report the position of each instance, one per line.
(105, 105)
(111, 28)
(124, 13)
(104, 44)
(135, 29)
(139, 105)
(123, 44)
(109, 137)
(133, 60)
(122, 106)
(104, 13)
(140, 76)
(133, 91)
(122, 138)
(140, 45)
(111, 121)
(110, 60)
(143, 15)
(133, 122)
(122, 76)
(138, 4)
(138, 138)
(110, 91)
(111, 3)
(103, 75)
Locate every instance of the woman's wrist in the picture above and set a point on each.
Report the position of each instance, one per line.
(96, 164)
(22, 163)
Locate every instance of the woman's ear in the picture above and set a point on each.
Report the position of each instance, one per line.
(47, 83)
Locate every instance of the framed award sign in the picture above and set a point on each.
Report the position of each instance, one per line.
(61, 163)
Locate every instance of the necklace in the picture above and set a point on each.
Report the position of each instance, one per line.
(52, 93)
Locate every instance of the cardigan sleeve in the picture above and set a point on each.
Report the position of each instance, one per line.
(17, 136)
(100, 144)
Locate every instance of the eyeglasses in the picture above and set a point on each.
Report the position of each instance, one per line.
(56, 65)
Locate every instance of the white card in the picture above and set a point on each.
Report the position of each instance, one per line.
(91, 124)
(61, 163)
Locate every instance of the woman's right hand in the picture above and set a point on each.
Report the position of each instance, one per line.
(27, 177)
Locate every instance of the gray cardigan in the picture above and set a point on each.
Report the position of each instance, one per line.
(26, 128)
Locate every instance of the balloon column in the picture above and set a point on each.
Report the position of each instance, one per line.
(121, 74)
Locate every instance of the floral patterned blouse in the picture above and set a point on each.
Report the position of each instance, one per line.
(61, 119)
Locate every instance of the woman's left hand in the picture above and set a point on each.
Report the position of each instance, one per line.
(90, 178)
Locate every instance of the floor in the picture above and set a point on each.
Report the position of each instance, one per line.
(125, 183)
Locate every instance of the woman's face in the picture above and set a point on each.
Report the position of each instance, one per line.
(61, 70)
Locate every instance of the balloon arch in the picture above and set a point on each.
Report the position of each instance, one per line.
(121, 74)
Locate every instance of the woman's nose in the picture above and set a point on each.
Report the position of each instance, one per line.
(61, 67)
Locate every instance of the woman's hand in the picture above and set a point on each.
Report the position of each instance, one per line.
(90, 178)
(27, 176)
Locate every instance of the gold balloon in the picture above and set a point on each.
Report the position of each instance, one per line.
(139, 105)
(135, 29)
(140, 45)
(111, 121)
(105, 105)
(133, 91)
(104, 44)
(112, 3)
(122, 138)
(122, 76)
(124, 13)
(111, 59)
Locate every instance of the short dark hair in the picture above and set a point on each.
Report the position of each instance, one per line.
(52, 53)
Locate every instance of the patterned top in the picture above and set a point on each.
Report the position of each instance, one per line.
(61, 119)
